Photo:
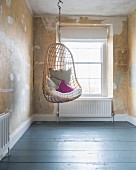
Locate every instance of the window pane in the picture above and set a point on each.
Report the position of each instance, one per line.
(88, 57)
(94, 55)
(82, 70)
(90, 86)
(95, 70)
(85, 52)
(88, 70)
(85, 85)
(95, 86)
(80, 55)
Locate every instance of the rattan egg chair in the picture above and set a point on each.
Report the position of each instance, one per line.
(59, 57)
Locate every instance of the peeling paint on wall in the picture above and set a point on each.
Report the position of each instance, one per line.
(10, 20)
(11, 76)
(132, 76)
(48, 24)
(16, 64)
(37, 47)
(114, 86)
(8, 3)
(13, 47)
(86, 20)
(45, 35)
(5, 90)
(132, 63)
(18, 77)
(117, 23)
(23, 92)
(118, 79)
(27, 87)
(0, 7)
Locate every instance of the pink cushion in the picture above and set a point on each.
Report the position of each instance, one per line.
(64, 88)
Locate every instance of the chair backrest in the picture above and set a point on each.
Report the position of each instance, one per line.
(60, 57)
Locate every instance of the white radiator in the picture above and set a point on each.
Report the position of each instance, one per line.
(86, 108)
(4, 134)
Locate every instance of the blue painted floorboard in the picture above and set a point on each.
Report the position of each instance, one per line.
(74, 146)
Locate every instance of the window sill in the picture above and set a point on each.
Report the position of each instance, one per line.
(94, 98)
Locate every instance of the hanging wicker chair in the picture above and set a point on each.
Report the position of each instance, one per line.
(59, 57)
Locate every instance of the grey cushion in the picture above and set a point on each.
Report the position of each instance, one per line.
(51, 84)
(56, 81)
(58, 75)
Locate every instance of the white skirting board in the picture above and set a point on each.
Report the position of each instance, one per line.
(125, 118)
(131, 119)
(41, 117)
(16, 135)
(117, 117)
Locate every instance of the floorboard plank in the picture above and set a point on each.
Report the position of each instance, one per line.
(74, 146)
(77, 146)
(68, 166)
(72, 156)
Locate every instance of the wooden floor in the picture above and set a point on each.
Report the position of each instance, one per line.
(74, 146)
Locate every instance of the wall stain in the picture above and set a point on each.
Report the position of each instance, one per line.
(132, 76)
(10, 20)
(87, 20)
(16, 56)
(118, 80)
(132, 63)
(8, 3)
(44, 36)
(65, 19)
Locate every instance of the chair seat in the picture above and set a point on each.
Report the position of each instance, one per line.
(59, 57)
(71, 94)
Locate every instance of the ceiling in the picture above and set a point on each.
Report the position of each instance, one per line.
(84, 7)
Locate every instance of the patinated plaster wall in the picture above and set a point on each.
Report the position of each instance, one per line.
(16, 61)
(132, 63)
(45, 34)
(120, 67)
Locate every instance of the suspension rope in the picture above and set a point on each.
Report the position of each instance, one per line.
(59, 32)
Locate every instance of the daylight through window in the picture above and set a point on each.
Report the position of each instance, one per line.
(89, 65)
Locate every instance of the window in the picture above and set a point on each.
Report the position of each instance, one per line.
(92, 49)
(89, 58)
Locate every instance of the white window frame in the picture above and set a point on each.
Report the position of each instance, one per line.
(103, 65)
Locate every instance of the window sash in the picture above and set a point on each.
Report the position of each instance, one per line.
(93, 86)
(91, 70)
(91, 77)
(102, 63)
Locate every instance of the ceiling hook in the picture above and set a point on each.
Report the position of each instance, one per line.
(59, 4)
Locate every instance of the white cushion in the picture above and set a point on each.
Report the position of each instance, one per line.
(51, 84)
(71, 94)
